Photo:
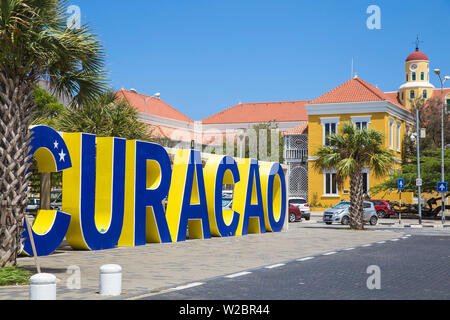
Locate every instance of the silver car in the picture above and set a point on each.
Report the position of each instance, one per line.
(340, 214)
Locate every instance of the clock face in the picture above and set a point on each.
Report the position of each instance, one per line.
(413, 67)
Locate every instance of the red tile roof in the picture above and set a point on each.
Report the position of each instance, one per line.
(152, 106)
(355, 90)
(261, 112)
(298, 130)
(437, 93)
(417, 55)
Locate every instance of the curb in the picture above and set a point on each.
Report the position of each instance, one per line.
(417, 226)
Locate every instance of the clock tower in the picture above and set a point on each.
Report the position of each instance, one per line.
(417, 77)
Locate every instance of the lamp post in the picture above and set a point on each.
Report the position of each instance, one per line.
(419, 187)
(438, 73)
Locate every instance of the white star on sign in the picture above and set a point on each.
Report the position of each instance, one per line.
(56, 144)
(62, 156)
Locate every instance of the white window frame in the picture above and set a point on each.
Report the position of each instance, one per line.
(391, 133)
(329, 174)
(362, 119)
(399, 136)
(330, 121)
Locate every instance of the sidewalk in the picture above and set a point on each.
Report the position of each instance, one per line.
(161, 266)
(316, 217)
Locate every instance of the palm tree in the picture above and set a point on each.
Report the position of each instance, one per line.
(349, 152)
(36, 44)
(108, 116)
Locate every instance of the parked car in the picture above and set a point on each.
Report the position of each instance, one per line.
(227, 203)
(294, 213)
(303, 205)
(33, 204)
(383, 208)
(56, 200)
(340, 214)
(227, 194)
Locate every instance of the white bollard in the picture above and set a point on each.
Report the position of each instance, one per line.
(43, 287)
(110, 280)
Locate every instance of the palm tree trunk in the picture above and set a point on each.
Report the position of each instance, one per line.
(356, 201)
(45, 190)
(16, 106)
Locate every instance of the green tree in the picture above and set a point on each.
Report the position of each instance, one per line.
(48, 109)
(430, 165)
(430, 151)
(107, 116)
(36, 44)
(430, 113)
(349, 152)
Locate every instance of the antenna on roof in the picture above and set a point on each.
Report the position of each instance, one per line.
(157, 95)
(133, 90)
(351, 74)
(417, 43)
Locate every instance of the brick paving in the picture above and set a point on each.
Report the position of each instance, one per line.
(157, 266)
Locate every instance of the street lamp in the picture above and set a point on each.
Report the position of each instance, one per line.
(438, 73)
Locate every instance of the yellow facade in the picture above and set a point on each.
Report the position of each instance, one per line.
(366, 105)
(417, 82)
(378, 121)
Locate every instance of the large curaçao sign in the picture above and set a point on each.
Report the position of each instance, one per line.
(114, 192)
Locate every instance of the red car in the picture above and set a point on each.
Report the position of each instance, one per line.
(383, 208)
(294, 213)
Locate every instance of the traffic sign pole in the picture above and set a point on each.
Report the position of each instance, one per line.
(443, 188)
(401, 187)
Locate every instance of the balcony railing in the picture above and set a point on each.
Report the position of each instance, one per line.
(296, 154)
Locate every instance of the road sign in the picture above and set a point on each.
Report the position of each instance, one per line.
(419, 182)
(401, 184)
(442, 187)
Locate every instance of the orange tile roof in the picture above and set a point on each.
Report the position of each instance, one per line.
(355, 90)
(171, 133)
(437, 92)
(153, 106)
(298, 130)
(261, 112)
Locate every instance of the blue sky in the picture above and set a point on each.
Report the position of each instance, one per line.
(206, 55)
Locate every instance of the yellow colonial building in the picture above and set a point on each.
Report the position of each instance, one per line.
(367, 107)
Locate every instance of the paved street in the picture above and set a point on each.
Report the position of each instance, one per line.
(263, 266)
(414, 268)
(157, 267)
